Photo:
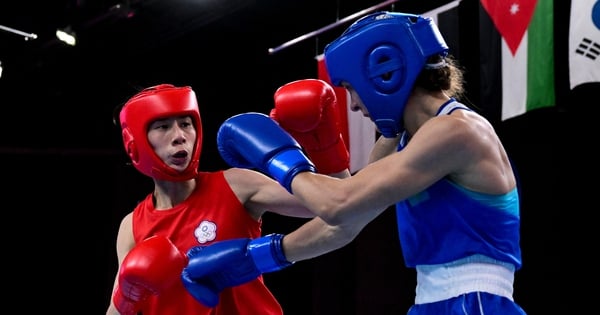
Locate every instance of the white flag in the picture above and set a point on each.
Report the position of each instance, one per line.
(584, 42)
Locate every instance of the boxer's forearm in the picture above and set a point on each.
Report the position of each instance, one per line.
(316, 238)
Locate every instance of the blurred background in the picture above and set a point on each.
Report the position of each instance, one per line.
(69, 184)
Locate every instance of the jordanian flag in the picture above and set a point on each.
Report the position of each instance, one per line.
(517, 53)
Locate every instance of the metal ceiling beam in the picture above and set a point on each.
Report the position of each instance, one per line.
(330, 26)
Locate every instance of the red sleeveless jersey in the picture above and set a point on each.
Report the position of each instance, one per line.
(211, 213)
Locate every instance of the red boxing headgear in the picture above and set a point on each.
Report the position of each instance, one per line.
(158, 102)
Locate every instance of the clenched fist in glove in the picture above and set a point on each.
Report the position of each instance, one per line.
(151, 267)
(229, 263)
(253, 140)
(306, 109)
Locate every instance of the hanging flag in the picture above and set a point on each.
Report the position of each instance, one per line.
(438, 12)
(584, 42)
(358, 132)
(526, 56)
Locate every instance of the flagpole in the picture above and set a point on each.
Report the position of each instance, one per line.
(328, 27)
(27, 36)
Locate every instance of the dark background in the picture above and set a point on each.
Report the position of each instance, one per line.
(69, 184)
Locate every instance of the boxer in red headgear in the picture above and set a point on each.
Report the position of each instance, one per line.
(188, 208)
(151, 104)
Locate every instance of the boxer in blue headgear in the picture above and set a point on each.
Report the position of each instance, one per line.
(381, 56)
(438, 161)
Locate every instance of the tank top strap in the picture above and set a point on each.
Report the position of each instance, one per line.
(450, 106)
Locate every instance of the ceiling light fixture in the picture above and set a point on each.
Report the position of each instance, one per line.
(67, 35)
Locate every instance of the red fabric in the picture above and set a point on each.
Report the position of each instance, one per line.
(511, 18)
(212, 213)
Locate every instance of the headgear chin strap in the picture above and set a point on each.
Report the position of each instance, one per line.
(141, 110)
(380, 56)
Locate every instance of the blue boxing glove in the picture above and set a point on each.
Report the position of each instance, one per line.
(229, 263)
(254, 140)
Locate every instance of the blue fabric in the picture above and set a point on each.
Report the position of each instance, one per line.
(447, 222)
(381, 56)
(474, 303)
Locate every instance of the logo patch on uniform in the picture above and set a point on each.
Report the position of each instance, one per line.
(205, 232)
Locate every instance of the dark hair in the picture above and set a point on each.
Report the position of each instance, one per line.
(447, 78)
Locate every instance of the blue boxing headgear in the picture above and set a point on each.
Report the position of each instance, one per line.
(381, 56)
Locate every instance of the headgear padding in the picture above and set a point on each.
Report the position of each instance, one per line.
(381, 56)
(153, 103)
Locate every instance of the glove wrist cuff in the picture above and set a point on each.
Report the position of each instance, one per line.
(286, 165)
(267, 253)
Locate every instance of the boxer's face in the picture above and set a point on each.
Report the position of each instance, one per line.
(356, 104)
(173, 140)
